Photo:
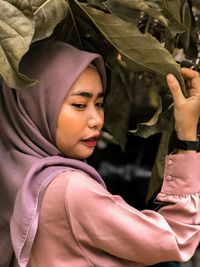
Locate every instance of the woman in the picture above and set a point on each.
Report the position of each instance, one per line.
(63, 215)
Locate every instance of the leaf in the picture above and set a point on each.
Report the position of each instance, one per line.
(151, 127)
(162, 119)
(130, 43)
(66, 31)
(128, 6)
(97, 3)
(117, 122)
(158, 168)
(47, 14)
(16, 32)
(165, 125)
(187, 21)
(166, 13)
(172, 10)
(122, 11)
(179, 15)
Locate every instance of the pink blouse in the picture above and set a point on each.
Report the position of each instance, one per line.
(82, 225)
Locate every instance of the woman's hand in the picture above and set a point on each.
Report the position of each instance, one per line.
(186, 110)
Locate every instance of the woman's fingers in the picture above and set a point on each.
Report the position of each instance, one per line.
(188, 73)
(175, 89)
(186, 110)
(192, 79)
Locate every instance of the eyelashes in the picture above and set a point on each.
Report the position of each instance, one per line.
(99, 105)
(79, 106)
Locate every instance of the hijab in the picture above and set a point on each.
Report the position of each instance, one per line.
(30, 159)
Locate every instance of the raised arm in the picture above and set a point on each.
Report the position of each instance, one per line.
(186, 110)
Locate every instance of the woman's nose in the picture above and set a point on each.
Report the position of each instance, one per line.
(96, 119)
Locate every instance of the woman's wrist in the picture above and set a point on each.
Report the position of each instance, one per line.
(187, 140)
(187, 136)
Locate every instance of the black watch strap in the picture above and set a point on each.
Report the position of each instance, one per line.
(188, 145)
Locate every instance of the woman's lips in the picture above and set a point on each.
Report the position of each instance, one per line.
(91, 142)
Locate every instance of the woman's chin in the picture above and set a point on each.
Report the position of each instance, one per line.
(82, 155)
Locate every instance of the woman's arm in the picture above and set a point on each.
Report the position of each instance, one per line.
(104, 224)
(186, 110)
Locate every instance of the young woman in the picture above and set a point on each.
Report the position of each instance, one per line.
(61, 213)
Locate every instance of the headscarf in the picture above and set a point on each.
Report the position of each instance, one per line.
(30, 159)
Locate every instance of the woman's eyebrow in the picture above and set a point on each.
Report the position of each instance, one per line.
(87, 94)
(100, 95)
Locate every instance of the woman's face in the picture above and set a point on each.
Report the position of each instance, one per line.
(81, 116)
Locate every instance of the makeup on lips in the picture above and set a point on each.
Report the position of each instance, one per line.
(91, 142)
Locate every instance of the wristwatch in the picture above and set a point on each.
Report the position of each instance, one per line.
(188, 145)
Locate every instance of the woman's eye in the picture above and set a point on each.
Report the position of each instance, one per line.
(79, 106)
(100, 105)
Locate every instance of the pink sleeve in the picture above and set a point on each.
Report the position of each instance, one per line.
(107, 222)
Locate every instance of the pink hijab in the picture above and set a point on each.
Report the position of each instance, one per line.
(30, 159)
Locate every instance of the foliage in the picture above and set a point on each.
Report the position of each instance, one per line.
(141, 41)
(22, 23)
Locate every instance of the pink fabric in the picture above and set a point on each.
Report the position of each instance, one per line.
(82, 225)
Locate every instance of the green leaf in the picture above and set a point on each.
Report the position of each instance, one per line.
(117, 122)
(179, 17)
(139, 51)
(122, 11)
(97, 3)
(172, 12)
(66, 31)
(162, 122)
(16, 32)
(187, 21)
(158, 168)
(151, 127)
(47, 14)
(162, 119)
(127, 8)
(172, 8)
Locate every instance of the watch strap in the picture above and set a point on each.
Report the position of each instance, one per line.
(188, 145)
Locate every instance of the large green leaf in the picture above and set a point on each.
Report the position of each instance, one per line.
(140, 51)
(162, 12)
(47, 14)
(120, 95)
(16, 32)
(22, 23)
(127, 8)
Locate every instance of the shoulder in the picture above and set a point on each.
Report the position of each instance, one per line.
(70, 187)
(76, 181)
(82, 191)
(81, 184)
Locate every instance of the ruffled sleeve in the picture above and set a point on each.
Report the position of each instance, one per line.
(180, 197)
(105, 222)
